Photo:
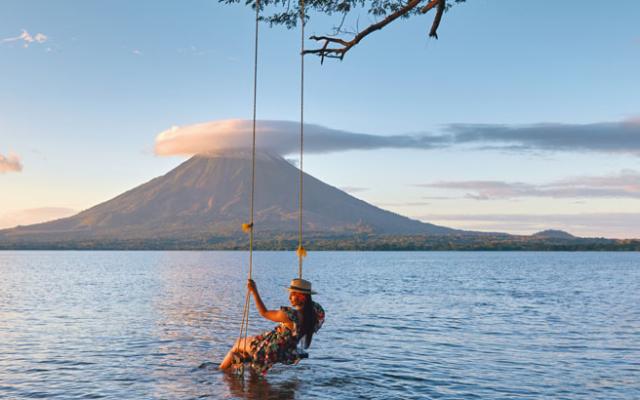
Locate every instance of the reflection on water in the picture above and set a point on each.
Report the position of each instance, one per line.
(254, 386)
(399, 325)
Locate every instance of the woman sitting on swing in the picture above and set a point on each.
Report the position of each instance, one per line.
(280, 344)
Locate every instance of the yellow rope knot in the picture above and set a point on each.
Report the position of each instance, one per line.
(301, 252)
(246, 228)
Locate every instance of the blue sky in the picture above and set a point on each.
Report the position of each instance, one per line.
(81, 107)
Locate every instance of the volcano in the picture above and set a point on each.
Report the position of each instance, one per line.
(209, 196)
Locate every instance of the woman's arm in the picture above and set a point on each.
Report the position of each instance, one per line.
(271, 315)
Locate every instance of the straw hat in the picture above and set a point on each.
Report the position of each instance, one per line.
(300, 286)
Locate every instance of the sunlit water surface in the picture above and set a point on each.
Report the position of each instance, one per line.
(134, 325)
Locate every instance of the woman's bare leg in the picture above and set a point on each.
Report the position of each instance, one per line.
(242, 345)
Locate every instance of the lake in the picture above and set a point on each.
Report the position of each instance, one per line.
(400, 325)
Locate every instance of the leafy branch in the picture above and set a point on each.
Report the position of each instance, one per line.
(335, 45)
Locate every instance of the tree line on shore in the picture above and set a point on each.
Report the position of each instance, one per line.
(343, 242)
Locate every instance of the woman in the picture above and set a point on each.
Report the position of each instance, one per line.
(280, 344)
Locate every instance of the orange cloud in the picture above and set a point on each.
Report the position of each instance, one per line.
(624, 184)
(10, 163)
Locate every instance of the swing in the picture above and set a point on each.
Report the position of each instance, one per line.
(241, 359)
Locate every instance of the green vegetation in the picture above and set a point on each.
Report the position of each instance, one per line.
(363, 242)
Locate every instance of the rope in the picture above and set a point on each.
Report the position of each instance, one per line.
(301, 252)
(244, 326)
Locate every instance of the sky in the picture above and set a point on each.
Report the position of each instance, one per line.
(522, 116)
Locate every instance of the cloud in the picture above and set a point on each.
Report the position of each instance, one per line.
(625, 184)
(27, 38)
(33, 216)
(609, 137)
(280, 137)
(612, 225)
(11, 163)
(353, 189)
(622, 137)
(437, 197)
(405, 204)
(293, 161)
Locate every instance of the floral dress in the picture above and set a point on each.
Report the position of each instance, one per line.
(279, 345)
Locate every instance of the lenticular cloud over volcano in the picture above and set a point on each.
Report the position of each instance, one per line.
(280, 137)
(204, 138)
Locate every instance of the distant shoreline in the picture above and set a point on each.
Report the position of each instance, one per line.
(367, 242)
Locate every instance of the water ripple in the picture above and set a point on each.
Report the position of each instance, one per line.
(154, 325)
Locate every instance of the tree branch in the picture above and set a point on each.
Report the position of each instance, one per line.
(436, 21)
(346, 45)
(429, 6)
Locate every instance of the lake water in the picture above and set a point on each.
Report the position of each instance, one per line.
(405, 325)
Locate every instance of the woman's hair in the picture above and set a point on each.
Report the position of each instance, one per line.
(309, 320)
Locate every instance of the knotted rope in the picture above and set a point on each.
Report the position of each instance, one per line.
(244, 326)
(301, 252)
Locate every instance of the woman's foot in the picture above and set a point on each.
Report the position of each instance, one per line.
(234, 358)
